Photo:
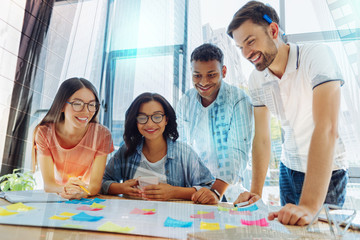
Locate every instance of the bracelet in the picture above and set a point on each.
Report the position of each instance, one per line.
(216, 192)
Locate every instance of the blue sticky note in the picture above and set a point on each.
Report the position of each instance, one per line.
(98, 200)
(250, 208)
(171, 222)
(86, 217)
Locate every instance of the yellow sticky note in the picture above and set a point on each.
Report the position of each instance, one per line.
(112, 227)
(20, 207)
(223, 209)
(202, 212)
(4, 212)
(68, 214)
(148, 209)
(96, 205)
(209, 226)
(227, 226)
(59, 218)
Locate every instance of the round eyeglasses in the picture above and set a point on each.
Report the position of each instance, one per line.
(78, 106)
(156, 118)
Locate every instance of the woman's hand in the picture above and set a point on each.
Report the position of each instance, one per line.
(72, 189)
(159, 192)
(129, 187)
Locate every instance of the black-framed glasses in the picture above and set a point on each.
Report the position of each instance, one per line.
(156, 118)
(79, 105)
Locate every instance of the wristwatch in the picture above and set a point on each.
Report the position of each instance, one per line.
(216, 192)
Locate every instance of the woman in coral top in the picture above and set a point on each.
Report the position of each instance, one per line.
(70, 145)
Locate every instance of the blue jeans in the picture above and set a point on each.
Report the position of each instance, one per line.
(291, 183)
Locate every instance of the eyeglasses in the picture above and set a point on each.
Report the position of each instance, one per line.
(156, 118)
(79, 105)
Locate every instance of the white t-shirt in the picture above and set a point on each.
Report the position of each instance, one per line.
(147, 169)
(290, 100)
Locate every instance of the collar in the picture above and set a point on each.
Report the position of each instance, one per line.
(293, 60)
(170, 148)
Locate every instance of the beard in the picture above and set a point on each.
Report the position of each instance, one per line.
(267, 57)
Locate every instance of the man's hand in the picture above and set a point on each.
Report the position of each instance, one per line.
(129, 187)
(159, 192)
(247, 196)
(292, 214)
(205, 196)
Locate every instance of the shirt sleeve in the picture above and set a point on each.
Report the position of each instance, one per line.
(200, 175)
(113, 173)
(42, 141)
(320, 64)
(256, 92)
(105, 141)
(239, 141)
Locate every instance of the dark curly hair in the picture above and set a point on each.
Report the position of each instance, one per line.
(132, 136)
(207, 52)
(254, 11)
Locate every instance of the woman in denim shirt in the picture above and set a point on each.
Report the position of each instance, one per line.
(151, 149)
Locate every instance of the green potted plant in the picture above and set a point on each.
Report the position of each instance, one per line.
(17, 181)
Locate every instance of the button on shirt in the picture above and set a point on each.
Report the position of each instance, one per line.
(290, 100)
(220, 133)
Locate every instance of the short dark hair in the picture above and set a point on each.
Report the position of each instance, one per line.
(255, 12)
(132, 136)
(207, 52)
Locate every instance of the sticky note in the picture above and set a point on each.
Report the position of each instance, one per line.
(72, 226)
(171, 222)
(59, 218)
(85, 217)
(4, 212)
(227, 226)
(98, 200)
(68, 214)
(250, 208)
(225, 209)
(209, 226)
(19, 207)
(202, 212)
(149, 210)
(244, 213)
(97, 205)
(112, 227)
(87, 208)
(85, 201)
(261, 222)
(209, 215)
(143, 211)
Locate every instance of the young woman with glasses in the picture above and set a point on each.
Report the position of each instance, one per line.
(151, 149)
(69, 143)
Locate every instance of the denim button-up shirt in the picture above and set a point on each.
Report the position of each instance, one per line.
(221, 133)
(183, 167)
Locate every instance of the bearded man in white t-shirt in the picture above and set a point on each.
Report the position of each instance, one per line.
(300, 85)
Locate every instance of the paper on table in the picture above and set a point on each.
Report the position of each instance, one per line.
(209, 215)
(85, 217)
(20, 207)
(260, 222)
(4, 212)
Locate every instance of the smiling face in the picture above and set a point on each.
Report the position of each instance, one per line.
(207, 76)
(82, 118)
(150, 130)
(256, 44)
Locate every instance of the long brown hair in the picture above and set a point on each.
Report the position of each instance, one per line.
(55, 113)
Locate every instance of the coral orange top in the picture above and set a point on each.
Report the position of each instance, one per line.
(76, 161)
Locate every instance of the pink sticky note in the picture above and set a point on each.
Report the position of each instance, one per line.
(142, 212)
(209, 215)
(136, 211)
(87, 208)
(261, 222)
(246, 213)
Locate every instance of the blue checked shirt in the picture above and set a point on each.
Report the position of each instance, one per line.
(221, 133)
(183, 167)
